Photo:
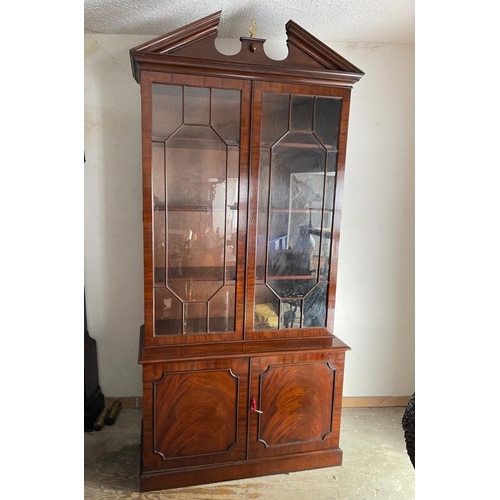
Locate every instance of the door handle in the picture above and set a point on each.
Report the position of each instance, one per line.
(253, 406)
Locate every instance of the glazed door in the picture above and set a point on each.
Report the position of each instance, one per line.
(196, 214)
(297, 168)
(295, 403)
(194, 413)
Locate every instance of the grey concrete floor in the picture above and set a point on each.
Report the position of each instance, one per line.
(375, 465)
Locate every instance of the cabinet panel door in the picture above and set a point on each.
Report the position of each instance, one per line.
(300, 399)
(195, 413)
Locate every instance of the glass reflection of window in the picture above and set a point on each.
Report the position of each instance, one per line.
(299, 138)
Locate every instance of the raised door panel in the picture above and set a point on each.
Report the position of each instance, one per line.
(298, 401)
(196, 413)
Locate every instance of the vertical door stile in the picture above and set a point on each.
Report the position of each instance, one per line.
(253, 180)
(244, 197)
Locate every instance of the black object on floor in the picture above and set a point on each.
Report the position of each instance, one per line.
(94, 399)
(408, 423)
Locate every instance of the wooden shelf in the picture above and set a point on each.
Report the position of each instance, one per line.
(193, 208)
(296, 277)
(299, 145)
(316, 231)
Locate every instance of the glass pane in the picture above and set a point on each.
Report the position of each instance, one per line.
(168, 313)
(306, 204)
(194, 291)
(226, 113)
(295, 212)
(167, 110)
(158, 188)
(221, 309)
(196, 204)
(262, 216)
(195, 317)
(297, 184)
(232, 194)
(326, 228)
(294, 288)
(159, 247)
(302, 112)
(266, 310)
(196, 105)
(196, 194)
(275, 109)
(194, 155)
(158, 175)
(291, 311)
(327, 121)
(315, 306)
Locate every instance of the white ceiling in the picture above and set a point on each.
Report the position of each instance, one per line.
(379, 21)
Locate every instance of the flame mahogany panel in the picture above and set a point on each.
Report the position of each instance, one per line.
(195, 412)
(299, 396)
(292, 396)
(206, 401)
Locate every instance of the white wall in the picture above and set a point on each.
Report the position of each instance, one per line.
(375, 291)
(375, 312)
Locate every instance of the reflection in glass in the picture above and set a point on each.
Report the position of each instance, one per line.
(168, 312)
(195, 183)
(291, 311)
(158, 187)
(275, 111)
(221, 310)
(327, 121)
(167, 110)
(302, 112)
(195, 317)
(266, 310)
(196, 105)
(299, 137)
(262, 216)
(226, 114)
(315, 306)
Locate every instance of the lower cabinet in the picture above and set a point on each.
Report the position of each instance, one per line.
(229, 418)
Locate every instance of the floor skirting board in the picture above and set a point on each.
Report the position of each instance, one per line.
(374, 401)
(127, 402)
(347, 402)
